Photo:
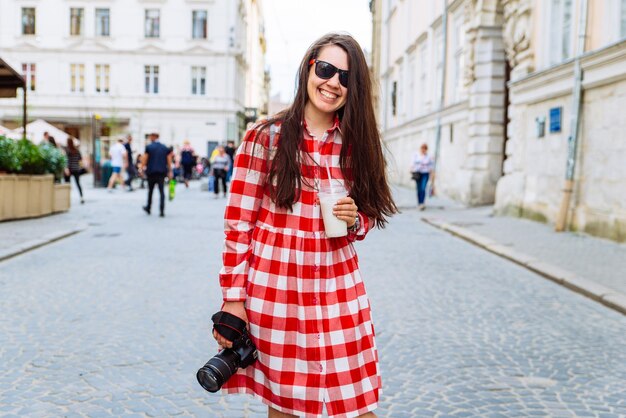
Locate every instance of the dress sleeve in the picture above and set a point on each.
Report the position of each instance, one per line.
(246, 194)
(366, 223)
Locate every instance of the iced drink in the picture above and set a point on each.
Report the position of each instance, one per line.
(333, 226)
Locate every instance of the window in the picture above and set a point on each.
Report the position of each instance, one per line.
(623, 20)
(458, 39)
(400, 92)
(423, 79)
(152, 78)
(77, 78)
(76, 21)
(102, 78)
(102, 22)
(560, 31)
(28, 72)
(198, 81)
(153, 18)
(199, 22)
(411, 88)
(394, 93)
(28, 20)
(438, 45)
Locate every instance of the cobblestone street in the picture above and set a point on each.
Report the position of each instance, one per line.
(114, 321)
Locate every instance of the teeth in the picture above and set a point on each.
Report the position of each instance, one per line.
(328, 95)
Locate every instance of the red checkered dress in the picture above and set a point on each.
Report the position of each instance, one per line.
(308, 311)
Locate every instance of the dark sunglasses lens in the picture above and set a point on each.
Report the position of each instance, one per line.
(343, 78)
(325, 70)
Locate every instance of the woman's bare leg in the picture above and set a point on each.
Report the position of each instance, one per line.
(272, 413)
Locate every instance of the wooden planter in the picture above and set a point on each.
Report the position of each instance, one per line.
(23, 196)
(61, 197)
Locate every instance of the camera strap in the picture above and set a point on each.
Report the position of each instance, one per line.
(229, 326)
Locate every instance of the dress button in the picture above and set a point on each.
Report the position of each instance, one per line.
(316, 268)
(319, 336)
(314, 300)
(321, 368)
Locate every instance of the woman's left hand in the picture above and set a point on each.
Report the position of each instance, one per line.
(346, 210)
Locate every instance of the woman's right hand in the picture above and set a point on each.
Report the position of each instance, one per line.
(234, 308)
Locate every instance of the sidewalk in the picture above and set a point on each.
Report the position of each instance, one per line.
(17, 237)
(591, 266)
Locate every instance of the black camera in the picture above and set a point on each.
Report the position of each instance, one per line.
(220, 368)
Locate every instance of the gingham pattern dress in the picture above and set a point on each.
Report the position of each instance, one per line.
(305, 300)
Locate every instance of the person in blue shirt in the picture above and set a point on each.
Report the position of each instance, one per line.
(157, 164)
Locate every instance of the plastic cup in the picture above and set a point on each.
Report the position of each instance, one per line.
(333, 226)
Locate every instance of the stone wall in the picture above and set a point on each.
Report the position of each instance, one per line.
(535, 166)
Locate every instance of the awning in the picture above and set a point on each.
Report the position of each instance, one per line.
(36, 129)
(10, 80)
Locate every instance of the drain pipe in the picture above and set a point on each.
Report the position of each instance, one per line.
(572, 141)
(444, 61)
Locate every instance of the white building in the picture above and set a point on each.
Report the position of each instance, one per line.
(412, 109)
(494, 81)
(177, 67)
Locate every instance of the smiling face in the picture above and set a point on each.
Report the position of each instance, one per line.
(327, 96)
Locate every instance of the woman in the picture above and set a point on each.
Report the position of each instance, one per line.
(421, 167)
(74, 169)
(187, 160)
(221, 164)
(300, 291)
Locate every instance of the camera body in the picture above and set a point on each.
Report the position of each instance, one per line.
(222, 366)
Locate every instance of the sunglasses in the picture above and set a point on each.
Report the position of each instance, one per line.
(325, 70)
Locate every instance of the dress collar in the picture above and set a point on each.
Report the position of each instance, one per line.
(336, 126)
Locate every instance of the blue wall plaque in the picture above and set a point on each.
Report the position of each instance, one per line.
(555, 119)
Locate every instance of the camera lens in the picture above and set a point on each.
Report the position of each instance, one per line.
(218, 370)
(208, 380)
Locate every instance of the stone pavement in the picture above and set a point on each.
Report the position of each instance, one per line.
(588, 265)
(113, 321)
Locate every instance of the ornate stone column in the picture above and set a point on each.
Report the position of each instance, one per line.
(517, 36)
(485, 78)
(519, 52)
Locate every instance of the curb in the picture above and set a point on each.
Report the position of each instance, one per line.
(585, 287)
(39, 242)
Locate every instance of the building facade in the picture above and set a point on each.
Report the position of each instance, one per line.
(489, 84)
(419, 61)
(107, 68)
(543, 114)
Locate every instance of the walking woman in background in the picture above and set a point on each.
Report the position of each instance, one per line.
(421, 168)
(220, 165)
(74, 162)
(301, 291)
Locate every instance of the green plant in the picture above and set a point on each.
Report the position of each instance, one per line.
(9, 160)
(54, 160)
(30, 158)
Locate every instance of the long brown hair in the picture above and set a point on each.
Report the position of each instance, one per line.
(361, 158)
(71, 148)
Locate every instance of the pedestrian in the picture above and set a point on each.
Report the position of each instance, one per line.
(230, 150)
(74, 166)
(300, 291)
(131, 171)
(156, 163)
(187, 160)
(49, 139)
(139, 170)
(221, 165)
(421, 167)
(117, 152)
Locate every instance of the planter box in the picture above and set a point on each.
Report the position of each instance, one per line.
(40, 195)
(61, 198)
(7, 190)
(23, 196)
